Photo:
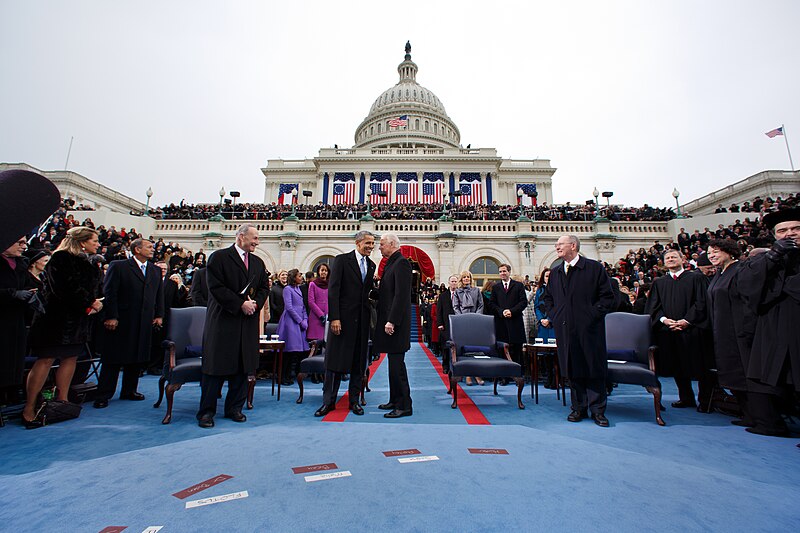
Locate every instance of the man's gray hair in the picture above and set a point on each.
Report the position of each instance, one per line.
(392, 239)
(244, 228)
(576, 241)
(363, 234)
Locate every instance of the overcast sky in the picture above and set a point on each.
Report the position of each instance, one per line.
(635, 97)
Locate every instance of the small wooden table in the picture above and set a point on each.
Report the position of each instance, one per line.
(268, 346)
(537, 350)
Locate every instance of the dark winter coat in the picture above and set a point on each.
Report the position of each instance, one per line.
(394, 305)
(135, 301)
(12, 322)
(230, 336)
(511, 330)
(577, 305)
(348, 302)
(71, 286)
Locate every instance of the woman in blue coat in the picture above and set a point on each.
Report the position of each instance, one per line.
(293, 324)
(545, 329)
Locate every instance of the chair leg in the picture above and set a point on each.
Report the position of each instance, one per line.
(161, 382)
(495, 386)
(171, 388)
(300, 377)
(656, 392)
(251, 390)
(520, 386)
(454, 389)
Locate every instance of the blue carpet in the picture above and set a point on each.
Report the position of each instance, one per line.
(120, 466)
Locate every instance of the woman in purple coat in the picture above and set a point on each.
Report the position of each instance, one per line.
(293, 324)
(318, 304)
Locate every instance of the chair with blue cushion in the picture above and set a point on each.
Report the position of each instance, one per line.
(631, 357)
(475, 351)
(182, 353)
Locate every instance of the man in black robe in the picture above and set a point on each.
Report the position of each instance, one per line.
(677, 308)
(770, 286)
(238, 284)
(349, 284)
(134, 304)
(577, 299)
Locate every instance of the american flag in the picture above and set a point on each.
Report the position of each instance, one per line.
(527, 190)
(378, 187)
(470, 187)
(775, 132)
(344, 192)
(432, 192)
(406, 192)
(402, 120)
(285, 195)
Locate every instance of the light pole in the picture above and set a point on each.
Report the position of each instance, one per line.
(596, 195)
(676, 194)
(521, 217)
(149, 194)
(221, 195)
(368, 215)
(294, 202)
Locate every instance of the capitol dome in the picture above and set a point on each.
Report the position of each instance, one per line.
(407, 115)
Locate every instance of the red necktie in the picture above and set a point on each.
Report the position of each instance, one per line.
(675, 277)
(247, 261)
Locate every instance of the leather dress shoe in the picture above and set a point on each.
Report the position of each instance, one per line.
(237, 417)
(576, 416)
(600, 420)
(386, 406)
(324, 410)
(778, 432)
(397, 413)
(206, 422)
(100, 404)
(680, 404)
(357, 409)
(135, 397)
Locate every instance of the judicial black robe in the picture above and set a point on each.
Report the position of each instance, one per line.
(680, 353)
(12, 321)
(733, 325)
(772, 292)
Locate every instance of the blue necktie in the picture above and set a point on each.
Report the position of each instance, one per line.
(363, 268)
(144, 269)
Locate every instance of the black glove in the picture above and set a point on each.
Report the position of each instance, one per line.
(23, 296)
(781, 248)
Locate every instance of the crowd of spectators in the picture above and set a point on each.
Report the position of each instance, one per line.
(759, 205)
(419, 211)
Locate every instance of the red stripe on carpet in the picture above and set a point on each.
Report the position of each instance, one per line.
(343, 405)
(468, 409)
(471, 413)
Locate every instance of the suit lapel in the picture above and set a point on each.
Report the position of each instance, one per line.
(237, 258)
(136, 270)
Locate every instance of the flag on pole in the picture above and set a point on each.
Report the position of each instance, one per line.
(432, 187)
(402, 120)
(775, 132)
(470, 188)
(344, 188)
(285, 195)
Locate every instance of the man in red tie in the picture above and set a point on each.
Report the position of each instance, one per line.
(677, 308)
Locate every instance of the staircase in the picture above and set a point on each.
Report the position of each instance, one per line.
(415, 336)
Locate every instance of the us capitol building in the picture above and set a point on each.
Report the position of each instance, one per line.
(408, 150)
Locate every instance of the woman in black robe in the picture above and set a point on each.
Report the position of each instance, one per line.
(730, 320)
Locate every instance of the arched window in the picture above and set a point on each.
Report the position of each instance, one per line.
(327, 259)
(435, 128)
(427, 125)
(484, 269)
(379, 127)
(416, 124)
(371, 131)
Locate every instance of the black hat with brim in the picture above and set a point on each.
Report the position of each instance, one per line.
(784, 215)
(26, 200)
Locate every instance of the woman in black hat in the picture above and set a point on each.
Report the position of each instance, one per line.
(62, 330)
(37, 259)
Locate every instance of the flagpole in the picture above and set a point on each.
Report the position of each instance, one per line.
(786, 140)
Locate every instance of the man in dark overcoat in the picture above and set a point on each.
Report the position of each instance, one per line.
(393, 328)
(444, 308)
(199, 290)
(13, 304)
(577, 299)
(507, 303)
(238, 284)
(350, 281)
(770, 287)
(134, 304)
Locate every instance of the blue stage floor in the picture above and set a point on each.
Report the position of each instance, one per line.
(120, 467)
